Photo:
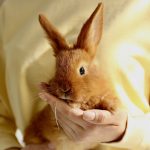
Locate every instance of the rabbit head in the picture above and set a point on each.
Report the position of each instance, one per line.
(76, 78)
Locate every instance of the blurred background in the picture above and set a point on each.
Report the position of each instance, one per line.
(126, 32)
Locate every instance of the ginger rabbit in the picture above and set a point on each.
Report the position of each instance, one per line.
(77, 81)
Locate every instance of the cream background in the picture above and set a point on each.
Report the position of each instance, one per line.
(26, 58)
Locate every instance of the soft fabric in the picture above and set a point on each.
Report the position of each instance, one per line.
(26, 59)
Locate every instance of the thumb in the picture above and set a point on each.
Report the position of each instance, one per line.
(97, 116)
(52, 100)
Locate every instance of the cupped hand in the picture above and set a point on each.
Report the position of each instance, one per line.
(91, 125)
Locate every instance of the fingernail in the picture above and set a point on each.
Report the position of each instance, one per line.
(89, 116)
(42, 96)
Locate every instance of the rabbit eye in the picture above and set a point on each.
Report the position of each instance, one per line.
(82, 71)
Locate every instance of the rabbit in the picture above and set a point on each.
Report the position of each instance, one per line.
(77, 81)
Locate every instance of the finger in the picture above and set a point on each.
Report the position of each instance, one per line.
(62, 106)
(68, 131)
(73, 114)
(75, 127)
(74, 118)
(48, 97)
(53, 101)
(98, 116)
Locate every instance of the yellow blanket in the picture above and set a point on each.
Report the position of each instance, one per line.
(26, 59)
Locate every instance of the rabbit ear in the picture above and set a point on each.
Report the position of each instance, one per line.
(91, 31)
(57, 41)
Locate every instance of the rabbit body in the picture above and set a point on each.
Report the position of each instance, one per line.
(77, 81)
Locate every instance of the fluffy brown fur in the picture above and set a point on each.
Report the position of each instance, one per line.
(89, 90)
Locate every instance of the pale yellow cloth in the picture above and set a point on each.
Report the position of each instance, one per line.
(26, 59)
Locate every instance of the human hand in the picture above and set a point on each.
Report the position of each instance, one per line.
(91, 125)
(107, 126)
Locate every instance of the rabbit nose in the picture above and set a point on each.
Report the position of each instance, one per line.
(65, 87)
(66, 90)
